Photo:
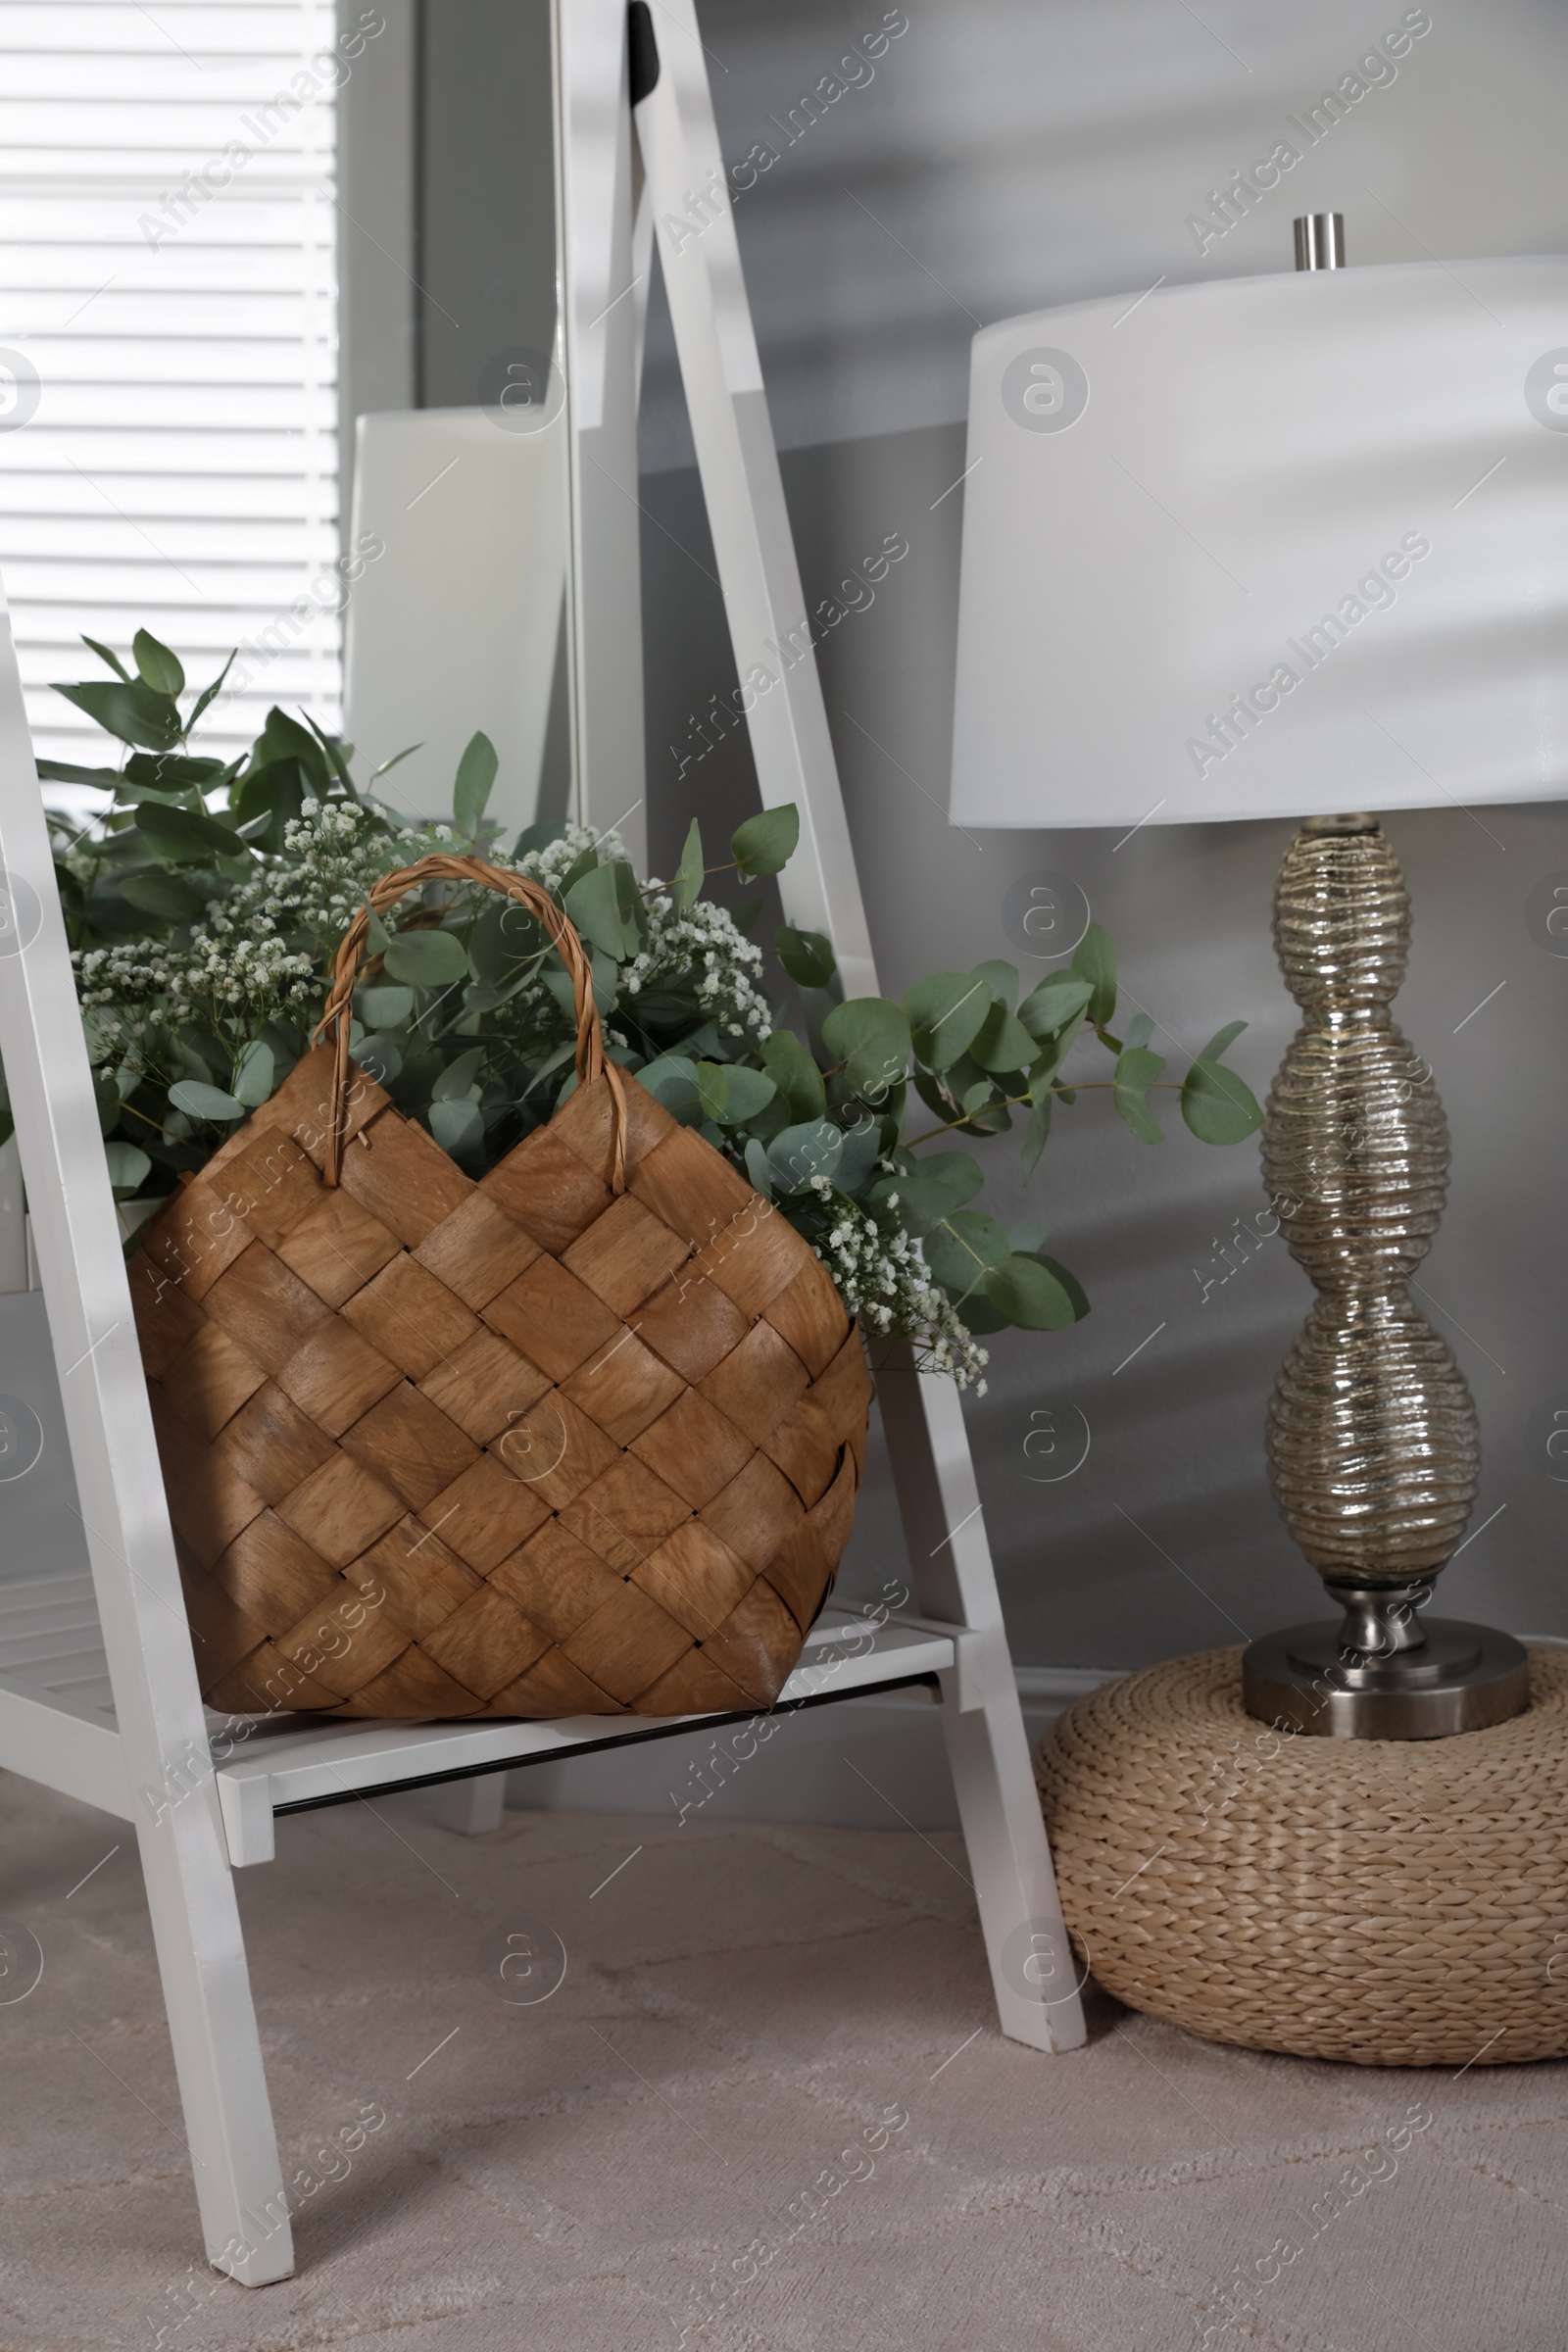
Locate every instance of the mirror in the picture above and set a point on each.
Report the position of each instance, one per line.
(458, 523)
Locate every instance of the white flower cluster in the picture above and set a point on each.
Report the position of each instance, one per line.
(259, 954)
(239, 960)
(881, 1276)
(705, 942)
(552, 864)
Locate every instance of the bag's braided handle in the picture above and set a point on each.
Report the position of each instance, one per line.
(591, 1061)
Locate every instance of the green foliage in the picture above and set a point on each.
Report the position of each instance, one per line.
(1095, 960)
(199, 1101)
(457, 1127)
(465, 1013)
(594, 903)
(963, 1249)
(129, 1168)
(870, 1039)
(730, 1093)
(1052, 1005)
(108, 658)
(1137, 1070)
(795, 1074)
(186, 836)
(476, 773)
(929, 1190)
(387, 1008)
(137, 713)
(166, 895)
(671, 1079)
(1215, 1103)
(945, 1012)
(1003, 1044)
(1036, 1135)
(765, 844)
(255, 1075)
(687, 887)
(156, 666)
(805, 956)
(426, 958)
(1026, 1292)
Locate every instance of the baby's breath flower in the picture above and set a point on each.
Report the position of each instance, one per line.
(882, 1278)
(261, 954)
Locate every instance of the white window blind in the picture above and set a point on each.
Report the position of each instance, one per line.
(169, 313)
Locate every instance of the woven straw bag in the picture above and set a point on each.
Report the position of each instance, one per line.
(581, 1438)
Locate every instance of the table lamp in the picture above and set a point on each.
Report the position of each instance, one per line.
(1297, 546)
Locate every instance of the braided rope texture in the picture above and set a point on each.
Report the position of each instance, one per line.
(524, 1446)
(1386, 1902)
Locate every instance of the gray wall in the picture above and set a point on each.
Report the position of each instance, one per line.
(1024, 153)
(484, 239)
(1019, 153)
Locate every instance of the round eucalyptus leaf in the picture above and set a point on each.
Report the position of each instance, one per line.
(1026, 1292)
(731, 1094)
(672, 1081)
(1219, 1106)
(128, 1167)
(795, 1073)
(962, 1249)
(765, 844)
(253, 1080)
(427, 959)
(945, 1012)
(457, 1127)
(872, 1037)
(385, 1008)
(812, 1148)
(456, 1082)
(379, 1057)
(861, 1147)
(200, 1101)
(932, 1188)
(806, 955)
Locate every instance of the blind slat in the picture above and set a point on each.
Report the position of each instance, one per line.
(178, 468)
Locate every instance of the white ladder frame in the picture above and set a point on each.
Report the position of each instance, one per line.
(687, 195)
(140, 1750)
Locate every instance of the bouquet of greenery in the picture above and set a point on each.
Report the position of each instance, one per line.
(205, 900)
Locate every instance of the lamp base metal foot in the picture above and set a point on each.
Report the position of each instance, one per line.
(1462, 1678)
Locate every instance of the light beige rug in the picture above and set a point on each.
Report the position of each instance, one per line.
(767, 2107)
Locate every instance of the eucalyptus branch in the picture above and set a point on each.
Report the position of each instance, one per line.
(1080, 1085)
(805, 1121)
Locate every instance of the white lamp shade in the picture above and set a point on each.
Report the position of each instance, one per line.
(1273, 546)
(454, 626)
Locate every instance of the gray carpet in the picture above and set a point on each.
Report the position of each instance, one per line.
(698, 2137)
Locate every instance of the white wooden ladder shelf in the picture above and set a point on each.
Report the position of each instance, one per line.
(98, 1687)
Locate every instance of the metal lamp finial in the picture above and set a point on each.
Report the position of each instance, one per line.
(1320, 242)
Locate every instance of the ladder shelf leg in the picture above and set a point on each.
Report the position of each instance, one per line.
(217, 2050)
(1033, 1970)
(125, 1511)
(1026, 1941)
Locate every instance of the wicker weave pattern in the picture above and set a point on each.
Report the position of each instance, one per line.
(1389, 1902)
(524, 1446)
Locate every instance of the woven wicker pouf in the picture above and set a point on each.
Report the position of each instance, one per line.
(1388, 1902)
